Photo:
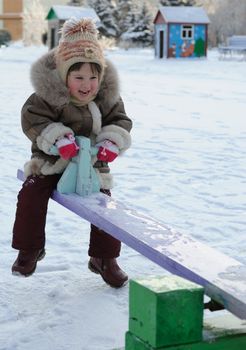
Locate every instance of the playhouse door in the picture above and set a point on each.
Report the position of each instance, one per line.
(161, 43)
(53, 38)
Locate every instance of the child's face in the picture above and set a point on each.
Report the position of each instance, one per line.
(83, 83)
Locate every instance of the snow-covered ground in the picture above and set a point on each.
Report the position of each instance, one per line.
(186, 168)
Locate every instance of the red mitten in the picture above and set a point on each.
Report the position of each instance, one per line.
(107, 151)
(67, 147)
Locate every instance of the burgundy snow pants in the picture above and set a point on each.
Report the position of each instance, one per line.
(29, 226)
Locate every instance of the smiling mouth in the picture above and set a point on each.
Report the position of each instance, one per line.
(84, 93)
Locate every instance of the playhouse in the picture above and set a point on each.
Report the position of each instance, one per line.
(58, 14)
(181, 31)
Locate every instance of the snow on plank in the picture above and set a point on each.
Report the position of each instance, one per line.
(223, 278)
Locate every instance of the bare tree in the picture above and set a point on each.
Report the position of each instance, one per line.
(34, 23)
(227, 18)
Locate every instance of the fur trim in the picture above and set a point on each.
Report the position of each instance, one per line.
(47, 82)
(50, 134)
(105, 179)
(96, 117)
(116, 134)
(37, 166)
(49, 86)
(57, 168)
(33, 167)
(109, 92)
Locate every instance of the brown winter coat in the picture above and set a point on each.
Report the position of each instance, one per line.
(48, 114)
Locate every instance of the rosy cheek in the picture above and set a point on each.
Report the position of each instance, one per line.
(70, 89)
(95, 86)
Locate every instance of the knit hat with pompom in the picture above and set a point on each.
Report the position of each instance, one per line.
(78, 43)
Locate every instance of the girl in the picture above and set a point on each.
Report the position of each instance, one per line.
(76, 93)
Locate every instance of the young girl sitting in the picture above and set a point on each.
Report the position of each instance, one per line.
(76, 93)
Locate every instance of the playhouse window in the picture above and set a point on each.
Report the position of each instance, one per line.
(187, 31)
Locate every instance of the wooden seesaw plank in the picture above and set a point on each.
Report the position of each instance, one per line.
(223, 278)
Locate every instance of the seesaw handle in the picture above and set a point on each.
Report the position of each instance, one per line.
(79, 176)
(54, 150)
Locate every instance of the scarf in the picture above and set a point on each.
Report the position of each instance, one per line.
(79, 103)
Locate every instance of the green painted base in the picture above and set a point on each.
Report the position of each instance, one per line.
(166, 310)
(225, 332)
(232, 342)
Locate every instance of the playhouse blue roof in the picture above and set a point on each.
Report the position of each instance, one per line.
(184, 14)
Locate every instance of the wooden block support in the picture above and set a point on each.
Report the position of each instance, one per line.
(165, 311)
(223, 332)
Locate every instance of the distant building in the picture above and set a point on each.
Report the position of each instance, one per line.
(11, 14)
(58, 14)
(11, 17)
(181, 31)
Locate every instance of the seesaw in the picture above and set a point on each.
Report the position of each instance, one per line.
(223, 277)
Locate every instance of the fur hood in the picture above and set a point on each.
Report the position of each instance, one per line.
(49, 86)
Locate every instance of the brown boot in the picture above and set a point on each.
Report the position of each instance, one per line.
(26, 262)
(109, 270)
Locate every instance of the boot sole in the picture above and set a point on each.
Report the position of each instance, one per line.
(93, 268)
(40, 257)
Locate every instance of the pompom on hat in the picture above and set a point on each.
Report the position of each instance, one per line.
(78, 43)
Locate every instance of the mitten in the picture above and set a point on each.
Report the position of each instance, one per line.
(67, 147)
(107, 151)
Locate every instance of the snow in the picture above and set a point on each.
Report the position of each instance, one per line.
(186, 168)
(183, 14)
(64, 12)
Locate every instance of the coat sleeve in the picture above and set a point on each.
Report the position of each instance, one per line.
(116, 126)
(40, 123)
